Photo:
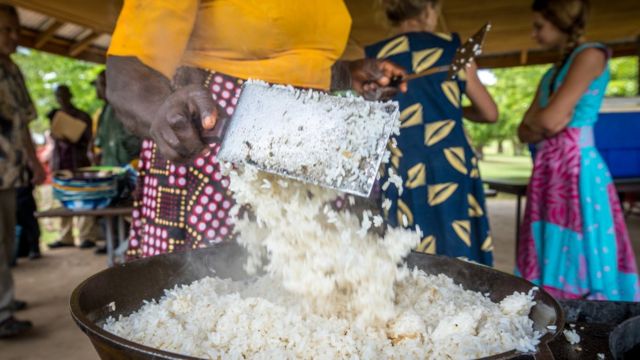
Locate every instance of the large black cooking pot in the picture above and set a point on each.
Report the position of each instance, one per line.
(122, 289)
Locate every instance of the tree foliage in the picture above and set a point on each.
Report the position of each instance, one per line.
(624, 77)
(514, 90)
(44, 71)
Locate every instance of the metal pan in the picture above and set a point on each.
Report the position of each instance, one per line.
(624, 341)
(121, 290)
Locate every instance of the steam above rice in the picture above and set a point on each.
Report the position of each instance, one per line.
(333, 288)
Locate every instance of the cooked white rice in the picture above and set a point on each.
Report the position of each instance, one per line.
(326, 257)
(328, 294)
(334, 289)
(571, 336)
(214, 318)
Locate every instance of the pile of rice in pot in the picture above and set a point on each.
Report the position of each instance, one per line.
(333, 288)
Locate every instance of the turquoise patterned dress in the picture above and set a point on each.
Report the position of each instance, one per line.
(574, 241)
(443, 194)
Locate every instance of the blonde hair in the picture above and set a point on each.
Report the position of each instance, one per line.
(398, 11)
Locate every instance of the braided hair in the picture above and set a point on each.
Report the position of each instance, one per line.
(570, 17)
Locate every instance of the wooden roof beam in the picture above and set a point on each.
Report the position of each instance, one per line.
(538, 57)
(61, 46)
(47, 34)
(81, 45)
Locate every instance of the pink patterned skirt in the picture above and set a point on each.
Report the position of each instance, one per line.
(179, 207)
(574, 240)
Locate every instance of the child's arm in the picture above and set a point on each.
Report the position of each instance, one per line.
(525, 133)
(552, 119)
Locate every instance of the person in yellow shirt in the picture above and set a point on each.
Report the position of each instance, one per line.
(173, 66)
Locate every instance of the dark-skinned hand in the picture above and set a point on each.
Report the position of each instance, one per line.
(180, 121)
(371, 78)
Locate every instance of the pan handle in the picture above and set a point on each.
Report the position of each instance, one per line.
(544, 352)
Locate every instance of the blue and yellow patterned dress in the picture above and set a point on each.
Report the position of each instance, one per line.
(443, 192)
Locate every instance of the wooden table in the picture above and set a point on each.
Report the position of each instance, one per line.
(118, 211)
(518, 187)
(629, 185)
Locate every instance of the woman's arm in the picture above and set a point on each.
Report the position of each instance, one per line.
(136, 91)
(147, 46)
(483, 109)
(142, 97)
(552, 119)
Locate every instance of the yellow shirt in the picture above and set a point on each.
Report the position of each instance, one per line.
(280, 41)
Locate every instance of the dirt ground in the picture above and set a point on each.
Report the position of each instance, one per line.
(47, 285)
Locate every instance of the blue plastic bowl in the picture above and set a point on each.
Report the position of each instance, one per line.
(80, 188)
(87, 204)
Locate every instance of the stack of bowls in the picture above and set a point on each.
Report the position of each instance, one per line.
(85, 189)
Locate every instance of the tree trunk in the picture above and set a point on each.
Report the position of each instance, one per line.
(500, 147)
(518, 148)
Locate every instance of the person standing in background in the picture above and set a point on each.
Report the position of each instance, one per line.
(28, 228)
(117, 145)
(574, 240)
(17, 153)
(443, 193)
(113, 144)
(69, 155)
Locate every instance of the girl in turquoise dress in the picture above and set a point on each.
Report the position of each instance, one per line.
(574, 240)
(443, 193)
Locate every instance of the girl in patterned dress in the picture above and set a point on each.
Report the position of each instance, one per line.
(443, 193)
(574, 241)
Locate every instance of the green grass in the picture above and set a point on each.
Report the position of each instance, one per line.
(498, 166)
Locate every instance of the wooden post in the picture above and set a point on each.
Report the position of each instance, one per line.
(524, 56)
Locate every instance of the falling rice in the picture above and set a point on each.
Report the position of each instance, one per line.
(332, 289)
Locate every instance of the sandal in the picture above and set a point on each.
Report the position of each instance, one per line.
(14, 327)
